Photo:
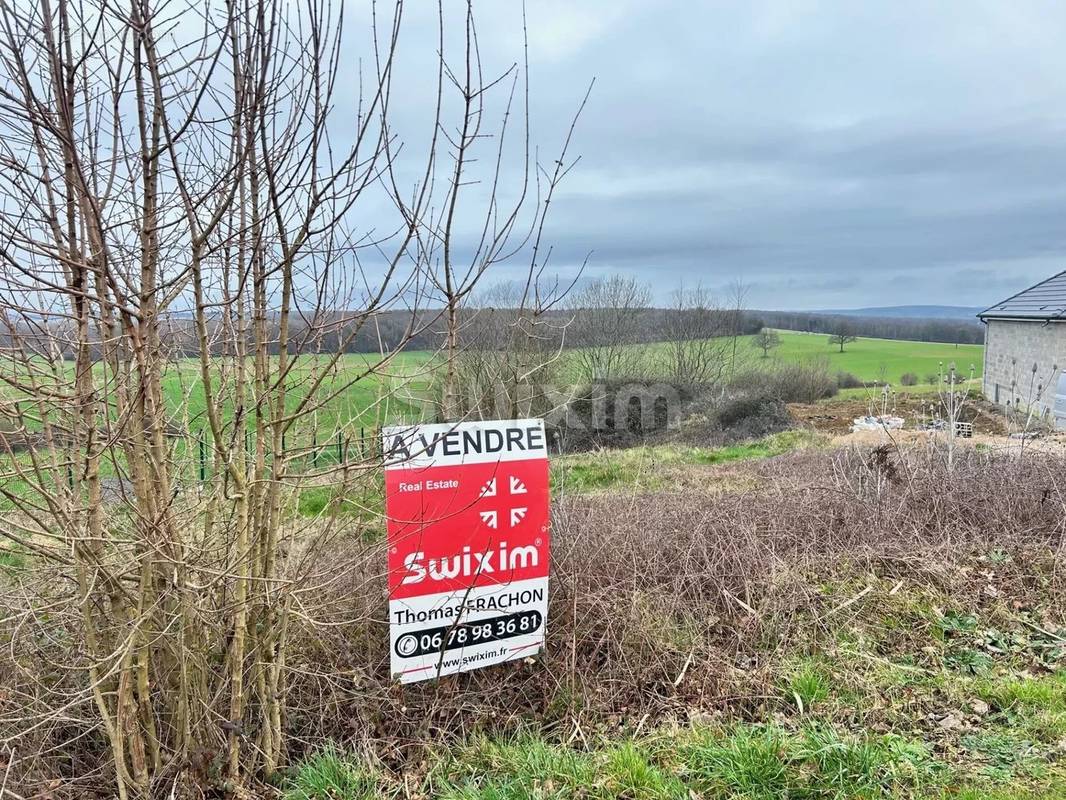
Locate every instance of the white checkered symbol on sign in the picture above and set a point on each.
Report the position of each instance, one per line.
(518, 513)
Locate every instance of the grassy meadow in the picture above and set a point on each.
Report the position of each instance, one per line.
(400, 390)
(349, 397)
(879, 359)
(352, 402)
(868, 359)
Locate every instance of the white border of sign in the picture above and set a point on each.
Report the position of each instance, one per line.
(415, 621)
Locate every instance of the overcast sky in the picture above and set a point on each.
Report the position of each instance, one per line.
(830, 154)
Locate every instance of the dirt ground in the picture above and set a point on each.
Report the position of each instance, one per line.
(991, 427)
(1054, 443)
(837, 414)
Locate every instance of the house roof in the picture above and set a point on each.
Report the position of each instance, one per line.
(1046, 301)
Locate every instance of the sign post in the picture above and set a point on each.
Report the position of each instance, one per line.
(468, 543)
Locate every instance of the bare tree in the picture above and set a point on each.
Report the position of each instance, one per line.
(511, 348)
(766, 340)
(170, 166)
(503, 230)
(697, 335)
(738, 296)
(842, 334)
(608, 320)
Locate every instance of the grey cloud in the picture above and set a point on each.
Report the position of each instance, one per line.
(831, 153)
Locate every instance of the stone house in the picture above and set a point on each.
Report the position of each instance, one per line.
(1025, 350)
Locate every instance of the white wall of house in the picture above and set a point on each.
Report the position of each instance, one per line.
(1012, 349)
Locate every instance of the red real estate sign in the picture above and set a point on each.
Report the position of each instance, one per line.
(468, 542)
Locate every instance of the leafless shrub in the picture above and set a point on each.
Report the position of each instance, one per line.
(847, 380)
(1028, 409)
(955, 400)
(621, 413)
(511, 345)
(696, 331)
(660, 604)
(607, 323)
(752, 416)
(738, 292)
(798, 382)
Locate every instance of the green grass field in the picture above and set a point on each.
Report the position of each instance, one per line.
(401, 390)
(347, 397)
(353, 407)
(877, 359)
(396, 393)
(867, 359)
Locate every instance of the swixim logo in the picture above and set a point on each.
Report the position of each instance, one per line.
(515, 513)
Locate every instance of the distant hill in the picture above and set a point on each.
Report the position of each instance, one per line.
(910, 312)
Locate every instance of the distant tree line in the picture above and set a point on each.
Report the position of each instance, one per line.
(608, 328)
(951, 331)
(607, 315)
